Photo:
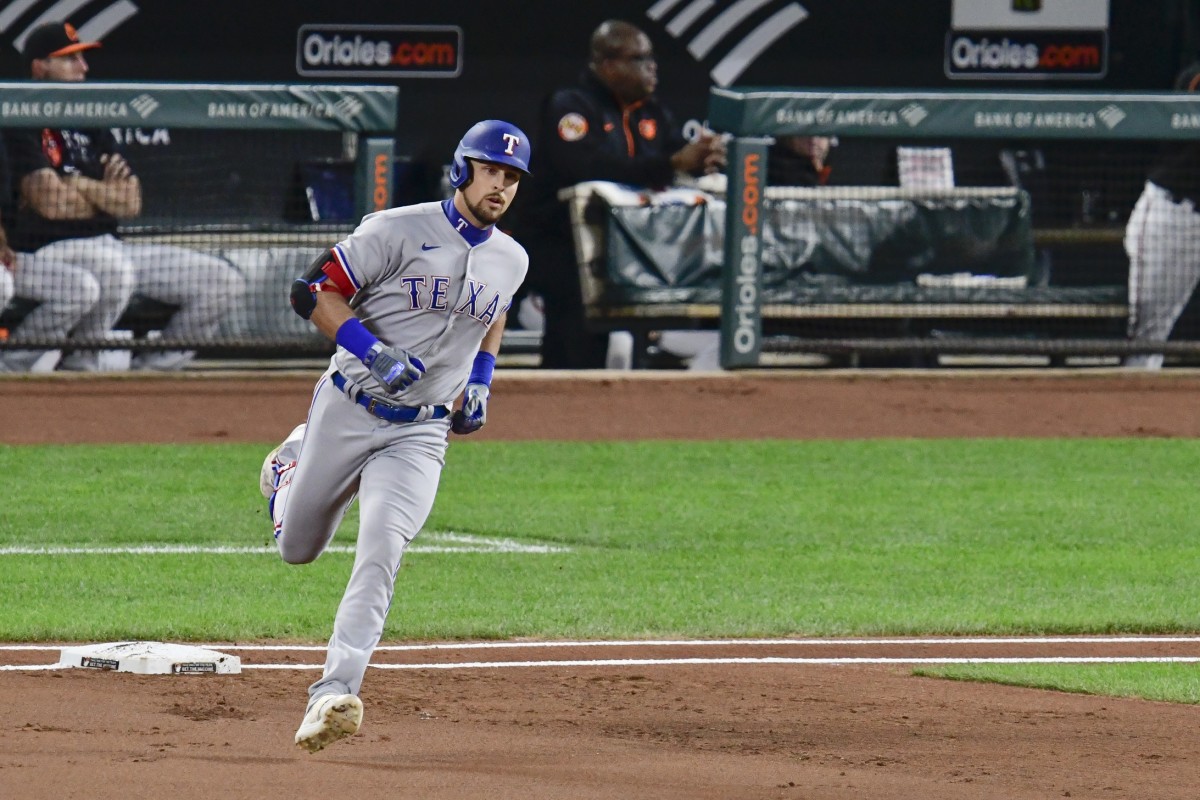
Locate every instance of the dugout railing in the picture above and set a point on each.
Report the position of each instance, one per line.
(261, 175)
(1077, 316)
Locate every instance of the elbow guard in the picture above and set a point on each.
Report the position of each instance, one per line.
(304, 291)
(304, 299)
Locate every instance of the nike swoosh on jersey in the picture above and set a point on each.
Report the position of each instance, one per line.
(430, 246)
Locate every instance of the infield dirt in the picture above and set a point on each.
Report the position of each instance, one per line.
(803, 732)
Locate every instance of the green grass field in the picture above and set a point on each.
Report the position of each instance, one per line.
(661, 539)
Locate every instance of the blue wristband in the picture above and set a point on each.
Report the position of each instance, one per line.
(355, 337)
(481, 370)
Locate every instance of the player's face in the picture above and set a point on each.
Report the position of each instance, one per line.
(632, 74)
(491, 191)
(73, 67)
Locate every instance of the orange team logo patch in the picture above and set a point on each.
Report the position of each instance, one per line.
(648, 128)
(52, 148)
(572, 127)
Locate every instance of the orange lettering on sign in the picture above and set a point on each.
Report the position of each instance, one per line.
(380, 196)
(408, 54)
(750, 192)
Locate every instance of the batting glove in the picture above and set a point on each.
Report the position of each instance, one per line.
(395, 369)
(473, 413)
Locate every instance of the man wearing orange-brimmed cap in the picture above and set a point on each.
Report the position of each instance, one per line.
(72, 189)
(62, 292)
(50, 44)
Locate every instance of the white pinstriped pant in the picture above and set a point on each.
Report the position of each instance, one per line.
(1162, 240)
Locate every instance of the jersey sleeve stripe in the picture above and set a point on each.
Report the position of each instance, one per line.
(344, 264)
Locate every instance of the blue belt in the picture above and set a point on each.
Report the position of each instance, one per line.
(389, 412)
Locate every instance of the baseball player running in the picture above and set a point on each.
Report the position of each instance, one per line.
(416, 299)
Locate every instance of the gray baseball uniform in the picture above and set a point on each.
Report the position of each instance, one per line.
(423, 279)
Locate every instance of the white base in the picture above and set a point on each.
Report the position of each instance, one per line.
(150, 658)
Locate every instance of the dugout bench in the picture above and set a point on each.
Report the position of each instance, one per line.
(846, 270)
(260, 324)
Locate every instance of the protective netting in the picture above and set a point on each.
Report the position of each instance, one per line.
(157, 243)
(1054, 224)
(227, 220)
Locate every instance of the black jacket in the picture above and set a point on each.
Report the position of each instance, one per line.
(585, 134)
(64, 151)
(785, 168)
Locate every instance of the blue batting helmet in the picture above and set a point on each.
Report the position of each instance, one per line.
(491, 140)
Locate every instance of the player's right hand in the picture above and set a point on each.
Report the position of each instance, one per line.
(395, 369)
(116, 168)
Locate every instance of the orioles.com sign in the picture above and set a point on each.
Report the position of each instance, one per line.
(1023, 39)
(379, 51)
(1021, 54)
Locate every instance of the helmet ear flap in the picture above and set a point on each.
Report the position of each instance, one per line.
(460, 173)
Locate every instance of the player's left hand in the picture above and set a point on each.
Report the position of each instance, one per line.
(473, 413)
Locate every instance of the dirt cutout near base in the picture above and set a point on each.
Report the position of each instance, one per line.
(801, 731)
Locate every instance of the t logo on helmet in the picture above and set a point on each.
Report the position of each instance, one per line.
(512, 142)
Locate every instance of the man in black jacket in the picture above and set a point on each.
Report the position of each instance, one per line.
(608, 127)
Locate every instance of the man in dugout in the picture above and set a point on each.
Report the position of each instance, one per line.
(71, 190)
(609, 126)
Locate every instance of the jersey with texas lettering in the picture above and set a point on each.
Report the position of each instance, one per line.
(422, 279)
(67, 152)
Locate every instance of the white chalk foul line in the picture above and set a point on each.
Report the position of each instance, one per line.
(500, 645)
(631, 662)
(656, 662)
(664, 662)
(30, 667)
(771, 642)
(440, 542)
